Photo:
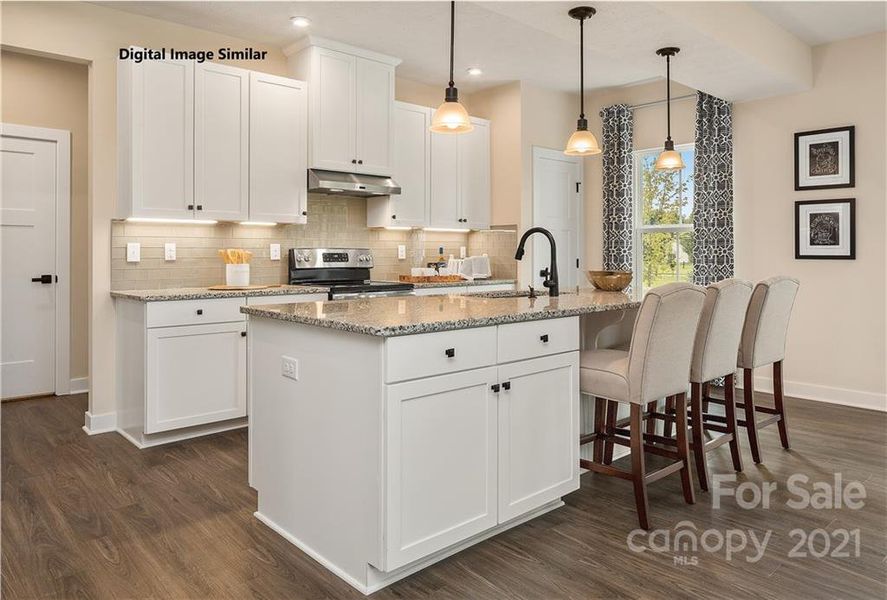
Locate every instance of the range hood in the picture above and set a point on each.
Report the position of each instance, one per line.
(335, 183)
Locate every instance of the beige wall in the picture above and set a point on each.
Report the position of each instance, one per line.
(407, 90)
(93, 34)
(836, 346)
(51, 93)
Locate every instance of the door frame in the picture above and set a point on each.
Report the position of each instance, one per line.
(540, 152)
(62, 140)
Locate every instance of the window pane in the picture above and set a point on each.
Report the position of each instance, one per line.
(666, 198)
(685, 256)
(667, 257)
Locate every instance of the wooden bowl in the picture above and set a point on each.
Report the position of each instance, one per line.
(610, 281)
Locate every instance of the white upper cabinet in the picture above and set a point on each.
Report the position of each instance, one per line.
(155, 128)
(412, 171)
(278, 189)
(350, 107)
(221, 142)
(460, 178)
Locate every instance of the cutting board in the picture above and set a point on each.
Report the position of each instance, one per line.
(221, 288)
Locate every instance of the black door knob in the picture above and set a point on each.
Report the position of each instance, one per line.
(42, 279)
(304, 213)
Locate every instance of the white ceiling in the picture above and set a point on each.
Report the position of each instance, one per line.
(821, 22)
(536, 41)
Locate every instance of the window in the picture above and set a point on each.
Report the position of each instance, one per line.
(663, 240)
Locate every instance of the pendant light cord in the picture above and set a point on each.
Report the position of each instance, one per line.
(668, 93)
(452, 38)
(581, 68)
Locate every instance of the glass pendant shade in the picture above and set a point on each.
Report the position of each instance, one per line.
(451, 117)
(669, 160)
(582, 143)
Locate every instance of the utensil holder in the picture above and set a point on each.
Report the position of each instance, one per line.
(237, 274)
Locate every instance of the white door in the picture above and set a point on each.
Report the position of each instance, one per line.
(221, 142)
(441, 463)
(332, 112)
(163, 139)
(474, 175)
(445, 205)
(195, 374)
(412, 165)
(538, 432)
(278, 149)
(557, 198)
(34, 165)
(374, 93)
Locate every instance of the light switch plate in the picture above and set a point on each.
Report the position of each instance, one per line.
(133, 252)
(289, 367)
(401, 251)
(169, 251)
(274, 252)
(462, 252)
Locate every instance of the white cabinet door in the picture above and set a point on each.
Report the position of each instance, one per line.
(412, 165)
(195, 374)
(221, 142)
(278, 149)
(538, 432)
(445, 210)
(161, 113)
(441, 463)
(474, 175)
(332, 111)
(374, 118)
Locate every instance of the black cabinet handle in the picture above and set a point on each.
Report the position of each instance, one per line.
(190, 207)
(353, 161)
(450, 352)
(242, 334)
(506, 386)
(393, 216)
(42, 279)
(199, 207)
(304, 213)
(360, 162)
(495, 387)
(199, 311)
(544, 338)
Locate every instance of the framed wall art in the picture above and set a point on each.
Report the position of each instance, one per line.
(824, 159)
(825, 229)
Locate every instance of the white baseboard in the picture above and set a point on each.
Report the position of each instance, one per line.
(79, 385)
(823, 393)
(102, 423)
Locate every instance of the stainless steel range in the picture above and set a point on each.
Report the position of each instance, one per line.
(345, 270)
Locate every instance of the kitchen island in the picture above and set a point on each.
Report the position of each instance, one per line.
(389, 433)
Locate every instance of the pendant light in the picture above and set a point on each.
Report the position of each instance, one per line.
(669, 159)
(582, 142)
(451, 117)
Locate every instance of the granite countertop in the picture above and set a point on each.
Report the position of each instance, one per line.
(200, 293)
(466, 282)
(405, 315)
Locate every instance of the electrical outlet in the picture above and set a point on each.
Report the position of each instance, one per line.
(289, 368)
(169, 251)
(133, 252)
(401, 251)
(274, 252)
(462, 252)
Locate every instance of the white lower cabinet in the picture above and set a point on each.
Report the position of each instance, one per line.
(441, 442)
(195, 374)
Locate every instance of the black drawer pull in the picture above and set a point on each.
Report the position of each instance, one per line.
(199, 207)
(304, 213)
(360, 162)
(450, 352)
(242, 334)
(190, 207)
(506, 386)
(353, 161)
(199, 311)
(544, 338)
(495, 387)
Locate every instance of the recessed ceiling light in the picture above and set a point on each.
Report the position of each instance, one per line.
(475, 71)
(300, 21)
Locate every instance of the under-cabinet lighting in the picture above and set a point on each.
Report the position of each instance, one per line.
(258, 223)
(445, 229)
(178, 221)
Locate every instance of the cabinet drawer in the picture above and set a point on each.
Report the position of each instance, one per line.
(426, 354)
(519, 341)
(195, 312)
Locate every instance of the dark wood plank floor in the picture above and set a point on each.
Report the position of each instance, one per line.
(94, 517)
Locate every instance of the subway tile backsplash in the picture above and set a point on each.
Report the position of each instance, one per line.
(334, 221)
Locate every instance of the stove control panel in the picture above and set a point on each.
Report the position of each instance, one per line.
(330, 258)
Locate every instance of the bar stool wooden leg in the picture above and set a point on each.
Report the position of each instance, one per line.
(778, 399)
(669, 410)
(680, 402)
(600, 406)
(696, 402)
(612, 409)
(651, 423)
(638, 471)
(705, 394)
(751, 423)
(730, 411)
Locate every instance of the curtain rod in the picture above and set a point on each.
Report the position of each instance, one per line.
(657, 102)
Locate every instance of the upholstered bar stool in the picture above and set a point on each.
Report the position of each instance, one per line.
(763, 343)
(656, 365)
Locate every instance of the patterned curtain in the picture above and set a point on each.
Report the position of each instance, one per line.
(713, 184)
(618, 127)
